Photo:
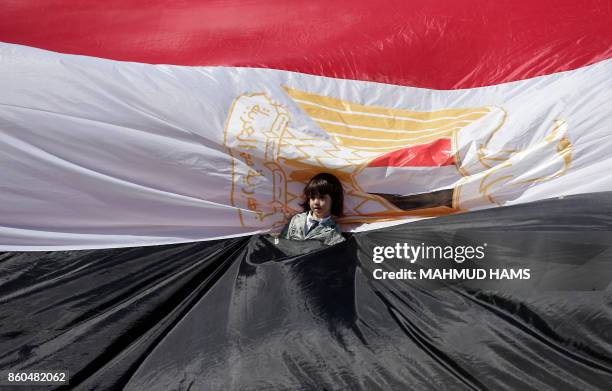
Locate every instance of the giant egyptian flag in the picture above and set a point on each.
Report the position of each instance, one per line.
(428, 111)
(142, 142)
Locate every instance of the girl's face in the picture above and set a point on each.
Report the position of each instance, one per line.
(320, 206)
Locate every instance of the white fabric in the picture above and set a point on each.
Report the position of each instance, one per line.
(97, 153)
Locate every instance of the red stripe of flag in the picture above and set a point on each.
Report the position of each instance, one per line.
(433, 44)
(435, 154)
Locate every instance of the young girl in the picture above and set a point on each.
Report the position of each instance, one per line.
(323, 199)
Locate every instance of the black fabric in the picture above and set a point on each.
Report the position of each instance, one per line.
(253, 314)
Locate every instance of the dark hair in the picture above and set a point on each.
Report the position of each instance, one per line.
(322, 184)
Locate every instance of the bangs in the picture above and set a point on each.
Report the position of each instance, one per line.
(318, 187)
